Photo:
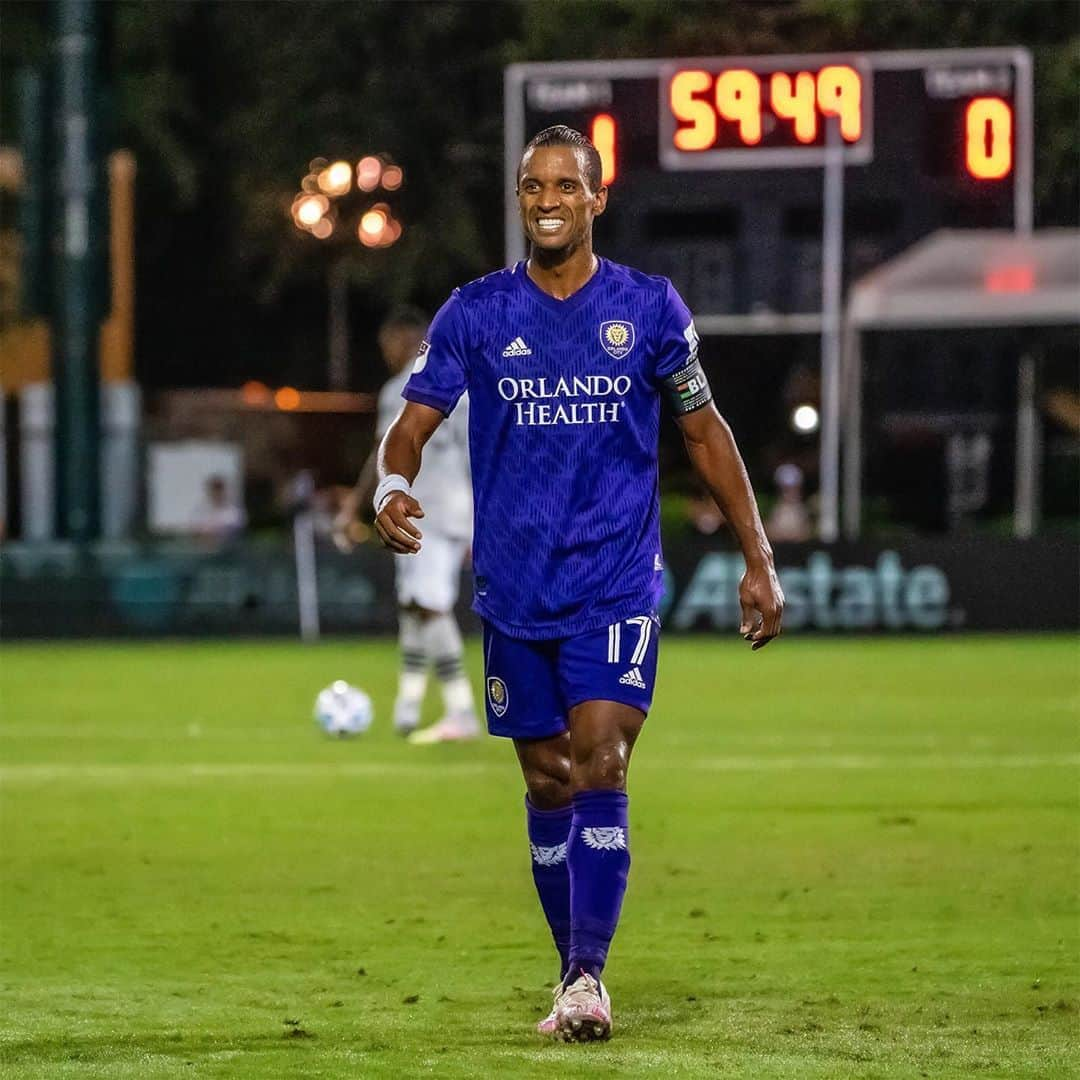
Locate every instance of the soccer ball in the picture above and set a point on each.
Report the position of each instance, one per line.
(343, 710)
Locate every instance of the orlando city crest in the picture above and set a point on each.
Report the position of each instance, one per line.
(497, 695)
(617, 337)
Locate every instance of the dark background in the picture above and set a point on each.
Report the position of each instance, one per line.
(224, 105)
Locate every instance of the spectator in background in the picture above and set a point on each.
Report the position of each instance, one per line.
(218, 519)
(789, 520)
(703, 513)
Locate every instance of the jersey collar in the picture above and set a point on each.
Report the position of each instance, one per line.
(574, 300)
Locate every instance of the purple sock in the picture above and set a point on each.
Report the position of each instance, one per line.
(549, 831)
(598, 855)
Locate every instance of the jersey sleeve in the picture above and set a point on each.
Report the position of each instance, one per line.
(678, 373)
(440, 373)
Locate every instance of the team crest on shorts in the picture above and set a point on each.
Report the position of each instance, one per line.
(617, 337)
(497, 695)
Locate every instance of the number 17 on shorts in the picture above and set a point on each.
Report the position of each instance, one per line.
(632, 647)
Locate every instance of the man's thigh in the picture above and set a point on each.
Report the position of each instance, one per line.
(616, 663)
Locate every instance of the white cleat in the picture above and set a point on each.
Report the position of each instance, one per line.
(448, 729)
(583, 1013)
(549, 1026)
(406, 718)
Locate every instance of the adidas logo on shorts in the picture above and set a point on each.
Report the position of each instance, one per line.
(517, 347)
(633, 678)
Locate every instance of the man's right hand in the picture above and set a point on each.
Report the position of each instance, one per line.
(392, 523)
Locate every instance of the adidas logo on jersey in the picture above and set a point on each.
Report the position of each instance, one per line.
(633, 678)
(517, 347)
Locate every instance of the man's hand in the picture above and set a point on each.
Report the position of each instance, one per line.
(392, 523)
(762, 602)
(341, 530)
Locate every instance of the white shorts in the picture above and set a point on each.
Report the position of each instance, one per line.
(432, 577)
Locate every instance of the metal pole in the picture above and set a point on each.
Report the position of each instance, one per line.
(832, 257)
(307, 579)
(852, 404)
(1028, 450)
(338, 327)
(78, 271)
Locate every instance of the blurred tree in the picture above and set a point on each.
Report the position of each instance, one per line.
(225, 103)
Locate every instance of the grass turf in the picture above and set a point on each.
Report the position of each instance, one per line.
(852, 858)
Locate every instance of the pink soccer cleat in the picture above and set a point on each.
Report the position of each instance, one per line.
(583, 1012)
(549, 1026)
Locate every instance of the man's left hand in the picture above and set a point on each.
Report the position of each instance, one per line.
(762, 602)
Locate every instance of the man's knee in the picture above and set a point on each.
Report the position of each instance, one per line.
(601, 768)
(546, 770)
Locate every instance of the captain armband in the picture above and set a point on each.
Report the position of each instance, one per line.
(688, 389)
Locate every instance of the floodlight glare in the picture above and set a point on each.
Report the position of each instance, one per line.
(309, 211)
(805, 419)
(336, 179)
(368, 173)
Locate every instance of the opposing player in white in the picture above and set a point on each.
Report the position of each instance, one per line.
(427, 583)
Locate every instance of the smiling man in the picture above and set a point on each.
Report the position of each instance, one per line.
(566, 357)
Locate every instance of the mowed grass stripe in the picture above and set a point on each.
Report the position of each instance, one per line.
(158, 774)
(852, 858)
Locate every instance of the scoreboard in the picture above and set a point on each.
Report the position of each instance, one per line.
(716, 164)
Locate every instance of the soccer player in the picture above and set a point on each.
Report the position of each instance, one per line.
(427, 584)
(566, 357)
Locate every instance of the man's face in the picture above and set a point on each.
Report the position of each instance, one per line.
(399, 345)
(557, 207)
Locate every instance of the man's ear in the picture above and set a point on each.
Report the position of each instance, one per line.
(600, 201)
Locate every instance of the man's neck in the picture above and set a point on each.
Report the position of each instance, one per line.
(561, 275)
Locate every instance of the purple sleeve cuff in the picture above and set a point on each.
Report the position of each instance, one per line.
(422, 397)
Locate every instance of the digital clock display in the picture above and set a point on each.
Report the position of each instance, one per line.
(709, 114)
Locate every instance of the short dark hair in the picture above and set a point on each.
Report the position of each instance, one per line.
(405, 315)
(561, 135)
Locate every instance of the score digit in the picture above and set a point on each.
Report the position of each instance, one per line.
(988, 138)
(839, 94)
(798, 104)
(603, 138)
(738, 98)
(693, 111)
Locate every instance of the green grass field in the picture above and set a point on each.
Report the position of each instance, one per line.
(852, 858)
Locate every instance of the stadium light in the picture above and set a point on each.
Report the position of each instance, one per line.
(309, 209)
(805, 419)
(336, 179)
(368, 173)
(372, 227)
(337, 208)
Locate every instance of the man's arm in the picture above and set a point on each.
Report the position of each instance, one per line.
(717, 462)
(398, 462)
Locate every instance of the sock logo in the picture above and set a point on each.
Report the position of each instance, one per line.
(548, 856)
(612, 838)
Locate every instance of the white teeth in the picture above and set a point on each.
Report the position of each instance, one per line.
(549, 223)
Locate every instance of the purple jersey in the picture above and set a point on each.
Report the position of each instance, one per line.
(564, 423)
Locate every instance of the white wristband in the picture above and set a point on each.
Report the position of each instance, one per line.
(393, 482)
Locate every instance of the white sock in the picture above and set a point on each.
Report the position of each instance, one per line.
(412, 680)
(446, 649)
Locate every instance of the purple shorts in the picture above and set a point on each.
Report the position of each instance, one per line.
(531, 686)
